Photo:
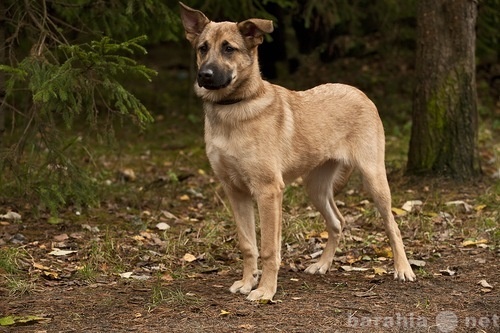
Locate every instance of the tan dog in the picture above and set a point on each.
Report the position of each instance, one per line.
(261, 136)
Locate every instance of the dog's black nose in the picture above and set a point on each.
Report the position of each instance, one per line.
(211, 77)
(206, 73)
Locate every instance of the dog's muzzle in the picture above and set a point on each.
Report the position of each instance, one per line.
(212, 78)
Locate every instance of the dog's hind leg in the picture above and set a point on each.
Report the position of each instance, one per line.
(243, 211)
(375, 181)
(321, 183)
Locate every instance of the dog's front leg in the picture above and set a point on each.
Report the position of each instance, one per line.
(269, 201)
(243, 211)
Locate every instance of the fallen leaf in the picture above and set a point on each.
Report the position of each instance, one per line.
(416, 263)
(224, 313)
(184, 197)
(353, 269)
(266, 301)
(483, 283)
(21, 320)
(384, 251)
(447, 272)
(169, 215)
(162, 226)
(127, 175)
(316, 254)
(411, 205)
(61, 237)
(350, 259)
(478, 208)
(188, 257)
(398, 212)
(11, 216)
(58, 252)
(146, 235)
(379, 271)
(51, 275)
(324, 235)
(476, 242)
(40, 266)
(465, 207)
(126, 275)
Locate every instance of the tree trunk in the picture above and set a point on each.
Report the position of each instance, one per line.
(444, 131)
(3, 58)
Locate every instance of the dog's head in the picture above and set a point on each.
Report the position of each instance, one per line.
(226, 52)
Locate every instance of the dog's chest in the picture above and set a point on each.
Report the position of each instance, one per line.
(236, 155)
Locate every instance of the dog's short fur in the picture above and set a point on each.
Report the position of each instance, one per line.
(261, 136)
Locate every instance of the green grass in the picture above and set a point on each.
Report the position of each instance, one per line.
(11, 269)
(17, 285)
(10, 259)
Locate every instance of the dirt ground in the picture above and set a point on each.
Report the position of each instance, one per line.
(192, 294)
(336, 302)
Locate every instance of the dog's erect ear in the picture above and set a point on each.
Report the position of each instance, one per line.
(193, 21)
(253, 30)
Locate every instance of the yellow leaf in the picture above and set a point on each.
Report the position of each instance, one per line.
(398, 212)
(224, 313)
(51, 275)
(324, 235)
(351, 259)
(379, 271)
(385, 251)
(40, 266)
(188, 257)
(472, 243)
(21, 321)
(184, 197)
(479, 207)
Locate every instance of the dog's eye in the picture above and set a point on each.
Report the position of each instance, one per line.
(203, 48)
(229, 49)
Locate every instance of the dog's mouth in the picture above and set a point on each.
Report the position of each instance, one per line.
(213, 85)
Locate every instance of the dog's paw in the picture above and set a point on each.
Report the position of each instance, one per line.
(318, 268)
(260, 294)
(244, 286)
(405, 274)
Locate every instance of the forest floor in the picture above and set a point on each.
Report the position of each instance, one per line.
(160, 251)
